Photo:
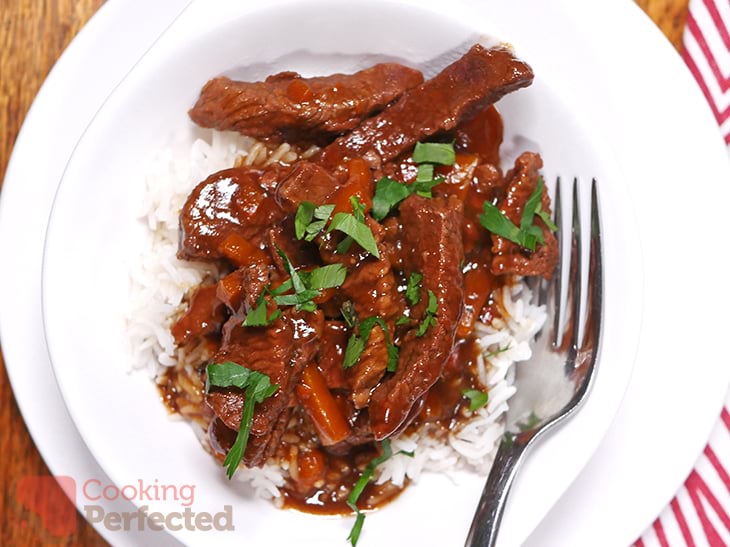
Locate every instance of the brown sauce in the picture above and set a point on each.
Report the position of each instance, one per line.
(319, 482)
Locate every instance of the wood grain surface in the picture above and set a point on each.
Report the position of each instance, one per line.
(33, 33)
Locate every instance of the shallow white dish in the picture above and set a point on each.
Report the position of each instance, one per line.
(93, 229)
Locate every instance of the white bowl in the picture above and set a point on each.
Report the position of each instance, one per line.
(93, 236)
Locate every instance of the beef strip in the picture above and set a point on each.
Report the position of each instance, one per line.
(287, 107)
(509, 257)
(280, 351)
(233, 201)
(205, 315)
(432, 245)
(372, 288)
(332, 354)
(478, 79)
(307, 181)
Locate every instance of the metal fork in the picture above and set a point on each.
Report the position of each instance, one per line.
(563, 361)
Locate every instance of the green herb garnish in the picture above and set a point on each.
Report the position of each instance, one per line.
(413, 288)
(498, 351)
(362, 482)
(532, 420)
(389, 193)
(477, 399)
(306, 286)
(257, 316)
(527, 235)
(258, 387)
(353, 225)
(546, 219)
(434, 152)
(311, 220)
(430, 319)
(358, 340)
(402, 320)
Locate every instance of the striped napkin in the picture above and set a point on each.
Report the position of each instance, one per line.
(699, 515)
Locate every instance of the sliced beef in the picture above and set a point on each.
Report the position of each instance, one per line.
(205, 315)
(478, 79)
(233, 202)
(332, 354)
(307, 181)
(432, 245)
(280, 351)
(300, 253)
(287, 107)
(509, 257)
(373, 290)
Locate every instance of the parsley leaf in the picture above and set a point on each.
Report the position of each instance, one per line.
(477, 399)
(434, 152)
(425, 172)
(424, 188)
(306, 285)
(327, 277)
(357, 341)
(532, 420)
(257, 316)
(357, 230)
(302, 218)
(388, 194)
(362, 482)
(527, 235)
(430, 319)
(498, 351)
(258, 388)
(546, 219)
(413, 288)
(305, 225)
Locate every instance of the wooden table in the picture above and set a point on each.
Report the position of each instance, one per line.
(33, 33)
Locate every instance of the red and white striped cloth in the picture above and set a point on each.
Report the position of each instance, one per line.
(699, 515)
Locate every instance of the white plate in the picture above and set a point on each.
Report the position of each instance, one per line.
(605, 502)
(93, 234)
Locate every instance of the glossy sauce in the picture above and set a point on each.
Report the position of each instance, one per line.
(320, 480)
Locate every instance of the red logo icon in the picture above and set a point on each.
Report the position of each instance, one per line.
(48, 503)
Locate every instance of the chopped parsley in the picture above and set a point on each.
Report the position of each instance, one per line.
(257, 317)
(532, 420)
(358, 340)
(477, 399)
(402, 320)
(257, 387)
(306, 286)
(434, 152)
(413, 288)
(362, 482)
(498, 351)
(354, 227)
(311, 220)
(527, 235)
(389, 193)
(430, 319)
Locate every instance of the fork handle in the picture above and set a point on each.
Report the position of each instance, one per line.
(485, 525)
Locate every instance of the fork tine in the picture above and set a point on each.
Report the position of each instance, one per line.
(594, 301)
(550, 291)
(569, 341)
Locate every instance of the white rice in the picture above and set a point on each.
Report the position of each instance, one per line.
(159, 283)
